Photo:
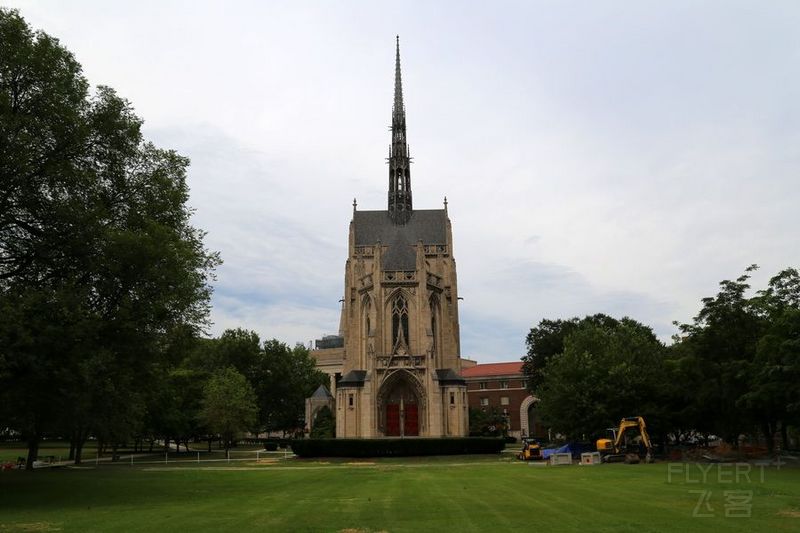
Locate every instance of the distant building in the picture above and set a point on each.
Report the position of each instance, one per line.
(503, 386)
(397, 369)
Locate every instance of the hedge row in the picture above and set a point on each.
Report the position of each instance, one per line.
(395, 447)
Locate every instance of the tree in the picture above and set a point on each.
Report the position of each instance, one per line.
(229, 405)
(608, 369)
(487, 423)
(719, 349)
(324, 426)
(99, 266)
(283, 379)
(547, 340)
(774, 393)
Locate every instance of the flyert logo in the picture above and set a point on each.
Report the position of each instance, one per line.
(737, 503)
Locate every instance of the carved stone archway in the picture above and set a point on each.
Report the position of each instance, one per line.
(401, 405)
(523, 415)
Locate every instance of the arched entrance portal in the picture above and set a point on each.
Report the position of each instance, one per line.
(400, 405)
(529, 426)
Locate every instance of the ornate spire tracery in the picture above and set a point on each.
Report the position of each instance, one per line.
(399, 154)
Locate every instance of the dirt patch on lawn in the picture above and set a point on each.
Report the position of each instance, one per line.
(791, 513)
(32, 526)
(360, 530)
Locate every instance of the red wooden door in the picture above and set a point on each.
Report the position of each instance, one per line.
(411, 427)
(393, 420)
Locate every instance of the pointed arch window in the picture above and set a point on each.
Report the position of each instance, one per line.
(400, 324)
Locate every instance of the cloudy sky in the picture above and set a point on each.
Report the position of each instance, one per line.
(616, 157)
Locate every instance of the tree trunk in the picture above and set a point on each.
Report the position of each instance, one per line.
(33, 451)
(166, 443)
(79, 441)
(151, 445)
(72, 440)
(768, 435)
(784, 436)
(114, 455)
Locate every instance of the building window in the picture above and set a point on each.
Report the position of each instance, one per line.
(350, 400)
(484, 402)
(399, 325)
(504, 400)
(452, 398)
(482, 385)
(524, 383)
(504, 384)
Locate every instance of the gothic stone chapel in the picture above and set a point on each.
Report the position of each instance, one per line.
(399, 355)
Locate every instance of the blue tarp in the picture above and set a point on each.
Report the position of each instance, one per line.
(575, 448)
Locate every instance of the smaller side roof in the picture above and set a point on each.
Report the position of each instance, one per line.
(322, 392)
(354, 378)
(448, 376)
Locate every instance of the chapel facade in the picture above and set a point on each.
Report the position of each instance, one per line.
(399, 357)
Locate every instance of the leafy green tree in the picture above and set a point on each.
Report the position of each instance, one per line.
(719, 349)
(324, 426)
(487, 423)
(608, 369)
(229, 405)
(774, 392)
(284, 378)
(547, 340)
(94, 238)
(240, 349)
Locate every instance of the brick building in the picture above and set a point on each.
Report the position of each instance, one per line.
(503, 386)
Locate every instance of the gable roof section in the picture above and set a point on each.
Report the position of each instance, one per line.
(493, 369)
(426, 225)
(322, 392)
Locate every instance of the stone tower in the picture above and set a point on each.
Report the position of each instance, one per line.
(400, 359)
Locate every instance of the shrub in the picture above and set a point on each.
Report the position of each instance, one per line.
(395, 447)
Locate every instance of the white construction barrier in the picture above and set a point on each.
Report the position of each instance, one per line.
(590, 458)
(561, 459)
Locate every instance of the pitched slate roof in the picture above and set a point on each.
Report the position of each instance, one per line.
(493, 369)
(322, 392)
(426, 225)
(448, 376)
(354, 378)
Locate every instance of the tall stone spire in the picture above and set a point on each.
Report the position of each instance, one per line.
(399, 155)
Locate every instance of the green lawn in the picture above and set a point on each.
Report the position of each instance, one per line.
(9, 451)
(424, 494)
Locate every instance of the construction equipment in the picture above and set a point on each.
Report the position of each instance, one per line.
(531, 450)
(625, 447)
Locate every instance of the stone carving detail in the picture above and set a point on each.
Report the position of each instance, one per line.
(434, 280)
(366, 281)
(364, 251)
(400, 361)
(435, 249)
(399, 276)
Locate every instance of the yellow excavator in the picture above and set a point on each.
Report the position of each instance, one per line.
(624, 446)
